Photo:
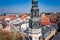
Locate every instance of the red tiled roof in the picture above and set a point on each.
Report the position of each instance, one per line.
(45, 20)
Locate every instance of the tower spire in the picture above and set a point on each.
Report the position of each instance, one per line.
(34, 9)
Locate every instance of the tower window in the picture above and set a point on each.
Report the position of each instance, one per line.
(34, 13)
(30, 38)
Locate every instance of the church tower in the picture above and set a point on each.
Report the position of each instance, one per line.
(34, 22)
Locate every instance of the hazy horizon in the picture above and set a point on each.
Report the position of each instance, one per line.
(24, 6)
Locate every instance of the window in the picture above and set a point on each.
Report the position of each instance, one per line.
(30, 38)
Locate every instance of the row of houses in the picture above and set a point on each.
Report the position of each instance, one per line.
(46, 18)
(12, 22)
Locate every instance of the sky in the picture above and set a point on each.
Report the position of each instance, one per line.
(24, 6)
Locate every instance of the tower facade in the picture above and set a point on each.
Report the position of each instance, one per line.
(34, 22)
